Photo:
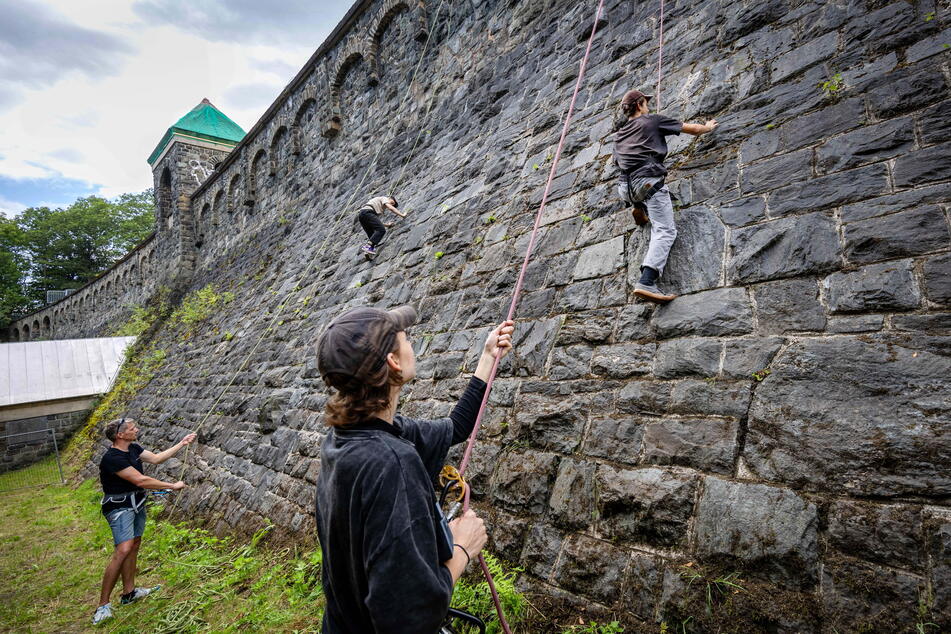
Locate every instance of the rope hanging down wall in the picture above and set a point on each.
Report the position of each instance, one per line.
(517, 293)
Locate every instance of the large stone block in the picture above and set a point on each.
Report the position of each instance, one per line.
(531, 345)
(572, 362)
(865, 145)
(767, 529)
(694, 397)
(592, 568)
(542, 546)
(908, 199)
(776, 172)
(789, 305)
(938, 545)
(937, 279)
(644, 397)
(617, 439)
(724, 311)
(859, 597)
(600, 259)
(804, 56)
(522, 481)
(649, 505)
(829, 191)
(620, 361)
(708, 445)
(886, 534)
(935, 123)
(696, 257)
(741, 212)
(549, 421)
(843, 415)
(744, 357)
(877, 287)
(923, 166)
(572, 496)
(687, 357)
(783, 248)
(912, 232)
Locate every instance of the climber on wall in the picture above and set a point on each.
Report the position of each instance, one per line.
(390, 559)
(124, 487)
(640, 147)
(369, 218)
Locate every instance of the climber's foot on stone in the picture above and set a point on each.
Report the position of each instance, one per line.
(640, 214)
(651, 293)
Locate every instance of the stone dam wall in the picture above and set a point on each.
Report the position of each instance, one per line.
(788, 417)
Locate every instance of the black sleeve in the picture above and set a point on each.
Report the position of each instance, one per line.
(112, 463)
(464, 414)
(668, 126)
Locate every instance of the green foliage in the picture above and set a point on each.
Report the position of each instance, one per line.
(929, 16)
(762, 374)
(490, 219)
(14, 268)
(832, 86)
(220, 584)
(476, 598)
(197, 307)
(614, 627)
(585, 218)
(438, 254)
(67, 247)
(716, 588)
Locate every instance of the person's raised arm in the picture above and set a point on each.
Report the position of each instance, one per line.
(463, 415)
(697, 129)
(159, 458)
(143, 481)
(396, 211)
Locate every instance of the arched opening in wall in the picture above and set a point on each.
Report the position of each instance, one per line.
(218, 208)
(277, 166)
(200, 224)
(15, 335)
(234, 198)
(47, 326)
(305, 128)
(164, 200)
(354, 94)
(259, 175)
(36, 329)
(26, 332)
(396, 46)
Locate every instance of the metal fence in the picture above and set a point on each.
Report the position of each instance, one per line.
(30, 459)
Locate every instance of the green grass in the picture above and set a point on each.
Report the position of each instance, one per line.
(46, 471)
(54, 545)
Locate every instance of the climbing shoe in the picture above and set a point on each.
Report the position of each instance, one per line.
(640, 214)
(651, 293)
(138, 593)
(103, 613)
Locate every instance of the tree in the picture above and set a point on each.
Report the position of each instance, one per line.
(13, 270)
(65, 248)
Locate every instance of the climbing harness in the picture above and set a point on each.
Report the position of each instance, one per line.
(133, 497)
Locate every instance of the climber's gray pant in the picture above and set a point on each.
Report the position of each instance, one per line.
(663, 231)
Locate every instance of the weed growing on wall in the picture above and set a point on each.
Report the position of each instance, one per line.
(197, 307)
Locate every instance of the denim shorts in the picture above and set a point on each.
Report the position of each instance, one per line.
(126, 524)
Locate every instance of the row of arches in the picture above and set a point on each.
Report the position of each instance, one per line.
(92, 304)
(272, 157)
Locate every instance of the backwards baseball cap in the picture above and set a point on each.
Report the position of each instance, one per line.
(633, 96)
(356, 343)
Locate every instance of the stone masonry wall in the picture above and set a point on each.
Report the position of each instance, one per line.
(787, 417)
(19, 447)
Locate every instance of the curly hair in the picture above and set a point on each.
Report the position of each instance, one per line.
(355, 400)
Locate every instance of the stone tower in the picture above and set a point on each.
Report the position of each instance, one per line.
(188, 153)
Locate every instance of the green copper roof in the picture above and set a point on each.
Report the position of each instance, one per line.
(204, 121)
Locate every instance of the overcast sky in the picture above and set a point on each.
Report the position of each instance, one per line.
(88, 87)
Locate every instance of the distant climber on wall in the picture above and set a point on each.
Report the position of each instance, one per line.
(124, 488)
(390, 559)
(369, 217)
(640, 147)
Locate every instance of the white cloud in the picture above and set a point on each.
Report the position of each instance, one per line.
(10, 208)
(112, 118)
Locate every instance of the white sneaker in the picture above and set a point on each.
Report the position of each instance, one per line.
(138, 593)
(103, 613)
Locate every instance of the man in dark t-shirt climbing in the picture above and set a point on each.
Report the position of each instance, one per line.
(124, 488)
(640, 147)
(390, 559)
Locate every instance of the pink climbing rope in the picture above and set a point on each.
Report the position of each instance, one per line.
(660, 53)
(515, 297)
